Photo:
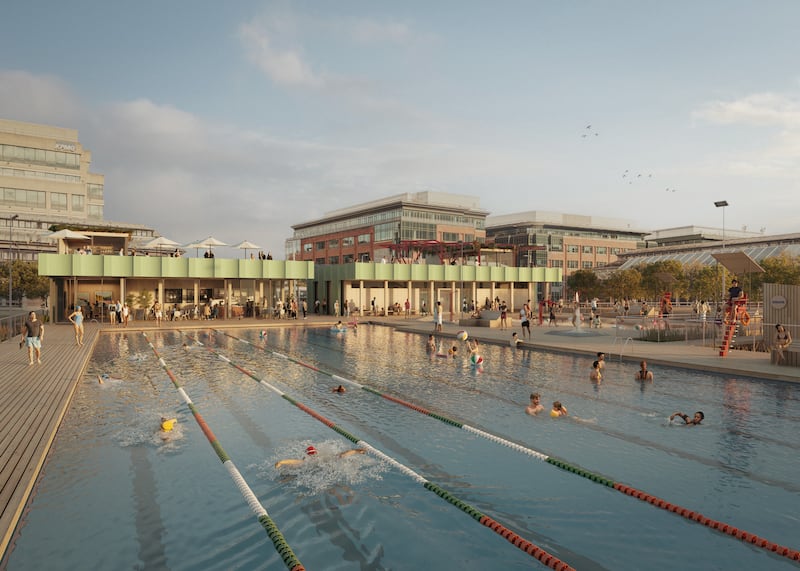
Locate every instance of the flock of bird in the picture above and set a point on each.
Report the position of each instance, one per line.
(627, 174)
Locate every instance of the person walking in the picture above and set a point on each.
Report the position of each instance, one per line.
(76, 317)
(32, 335)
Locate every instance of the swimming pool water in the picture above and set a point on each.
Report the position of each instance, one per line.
(115, 495)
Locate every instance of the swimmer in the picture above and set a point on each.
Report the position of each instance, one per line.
(535, 407)
(601, 359)
(515, 340)
(558, 410)
(596, 375)
(453, 351)
(311, 451)
(643, 374)
(339, 389)
(698, 418)
(168, 424)
(431, 346)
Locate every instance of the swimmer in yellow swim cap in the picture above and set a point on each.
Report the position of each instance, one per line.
(167, 424)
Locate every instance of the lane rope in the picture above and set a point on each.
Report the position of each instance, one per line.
(281, 545)
(516, 540)
(745, 536)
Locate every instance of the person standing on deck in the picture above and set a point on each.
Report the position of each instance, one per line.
(76, 317)
(33, 333)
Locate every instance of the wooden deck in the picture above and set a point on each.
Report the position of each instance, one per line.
(34, 400)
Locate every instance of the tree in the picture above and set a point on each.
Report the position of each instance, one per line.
(585, 282)
(26, 280)
(661, 276)
(703, 282)
(624, 284)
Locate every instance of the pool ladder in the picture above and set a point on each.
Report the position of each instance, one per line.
(624, 345)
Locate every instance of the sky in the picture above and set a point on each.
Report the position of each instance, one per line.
(240, 119)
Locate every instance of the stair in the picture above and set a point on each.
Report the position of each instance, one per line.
(728, 339)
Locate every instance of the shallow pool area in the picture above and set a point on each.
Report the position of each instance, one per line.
(117, 493)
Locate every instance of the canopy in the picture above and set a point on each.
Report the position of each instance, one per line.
(245, 245)
(738, 263)
(160, 242)
(66, 234)
(210, 242)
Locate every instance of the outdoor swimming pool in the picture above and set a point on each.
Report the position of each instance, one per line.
(115, 495)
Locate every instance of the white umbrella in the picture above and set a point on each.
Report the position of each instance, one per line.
(195, 245)
(160, 242)
(210, 242)
(245, 245)
(66, 234)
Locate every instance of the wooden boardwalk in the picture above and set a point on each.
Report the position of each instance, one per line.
(34, 401)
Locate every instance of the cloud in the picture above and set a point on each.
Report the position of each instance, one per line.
(371, 32)
(44, 98)
(759, 109)
(284, 67)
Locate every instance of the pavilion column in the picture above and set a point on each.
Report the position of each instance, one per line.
(453, 300)
(410, 296)
(385, 298)
(361, 298)
(196, 296)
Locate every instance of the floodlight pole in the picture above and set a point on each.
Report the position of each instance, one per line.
(722, 204)
(10, 258)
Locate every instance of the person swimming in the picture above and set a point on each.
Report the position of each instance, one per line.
(558, 410)
(168, 424)
(339, 389)
(696, 420)
(312, 451)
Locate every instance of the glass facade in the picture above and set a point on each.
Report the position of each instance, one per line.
(24, 198)
(94, 191)
(61, 159)
(77, 202)
(58, 201)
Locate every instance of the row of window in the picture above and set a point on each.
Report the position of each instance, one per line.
(40, 156)
(23, 173)
(58, 201)
(391, 218)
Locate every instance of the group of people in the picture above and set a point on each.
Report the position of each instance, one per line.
(535, 407)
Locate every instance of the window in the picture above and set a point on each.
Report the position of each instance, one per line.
(616, 250)
(572, 249)
(321, 245)
(308, 247)
(586, 265)
(450, 236)
(601, 249)
(333, 243)
(94, 191)
(347, 241)
(556, 263)
(363, 239)
(173, 296)
(348, 258)
(77, 203)
(320, 261)
(58, 200)
(601, 264)
(556, 248)
(333, 260)
(587, 249)
(385, 232)
(95, 211)
(572, 264)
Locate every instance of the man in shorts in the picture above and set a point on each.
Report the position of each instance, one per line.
(33, 333)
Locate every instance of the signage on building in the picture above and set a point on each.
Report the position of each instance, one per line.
(777, 302)
(70, 147)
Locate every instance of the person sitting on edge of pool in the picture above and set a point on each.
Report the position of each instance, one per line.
(558, 410)
(643, 374)
(339, 389)
(535, 407)
(311, 451)
(698, 417)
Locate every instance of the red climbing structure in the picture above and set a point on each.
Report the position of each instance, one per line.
(735, 314)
